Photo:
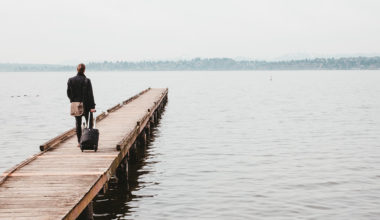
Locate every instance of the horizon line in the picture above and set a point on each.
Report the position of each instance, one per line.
(194, 58)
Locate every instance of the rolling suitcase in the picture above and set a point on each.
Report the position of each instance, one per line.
(90, 137)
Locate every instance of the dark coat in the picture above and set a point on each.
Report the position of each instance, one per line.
(79, 89)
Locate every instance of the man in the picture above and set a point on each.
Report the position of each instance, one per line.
(79, 89)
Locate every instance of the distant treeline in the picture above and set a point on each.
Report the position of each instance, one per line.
(351, 63)
(12, 67)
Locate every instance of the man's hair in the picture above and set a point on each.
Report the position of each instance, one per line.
(81, 68)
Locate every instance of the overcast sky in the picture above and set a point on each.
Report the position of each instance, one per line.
(47, 31)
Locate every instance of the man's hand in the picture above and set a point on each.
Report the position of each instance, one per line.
(93, 110)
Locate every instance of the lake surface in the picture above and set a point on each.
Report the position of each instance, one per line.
(230, 145)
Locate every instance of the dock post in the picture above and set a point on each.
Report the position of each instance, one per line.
(155, 118)
(122, 171)
(132, 155)
(87, 213)
(148, 131)
(151, 124)
(160, 108)
(142, 139)
(105, 188)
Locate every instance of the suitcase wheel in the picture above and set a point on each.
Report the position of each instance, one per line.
(95, 148)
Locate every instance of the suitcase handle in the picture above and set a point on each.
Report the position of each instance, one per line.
(94, 119)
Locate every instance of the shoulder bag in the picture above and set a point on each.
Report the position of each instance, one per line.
(76, 108)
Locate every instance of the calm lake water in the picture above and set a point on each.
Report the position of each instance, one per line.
(230, 145)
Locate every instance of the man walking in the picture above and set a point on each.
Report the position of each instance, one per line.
(79, 89)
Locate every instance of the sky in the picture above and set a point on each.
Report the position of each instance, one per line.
(72, 31)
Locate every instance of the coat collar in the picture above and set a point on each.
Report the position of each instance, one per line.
(81, 74)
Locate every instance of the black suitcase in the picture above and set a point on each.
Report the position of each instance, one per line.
(90, 137)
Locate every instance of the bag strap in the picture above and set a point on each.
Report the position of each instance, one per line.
(84, 88)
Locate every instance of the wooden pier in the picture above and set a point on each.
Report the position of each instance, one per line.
(61, 181)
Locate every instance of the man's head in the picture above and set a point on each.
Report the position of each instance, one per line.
(81, 68)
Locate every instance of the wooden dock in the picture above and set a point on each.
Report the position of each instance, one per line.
(61, 181)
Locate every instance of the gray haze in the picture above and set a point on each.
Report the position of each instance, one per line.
(42, 31)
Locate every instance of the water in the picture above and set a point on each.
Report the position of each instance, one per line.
(230, 145)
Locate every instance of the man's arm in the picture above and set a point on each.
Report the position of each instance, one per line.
(69, 90)
(91, 100)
